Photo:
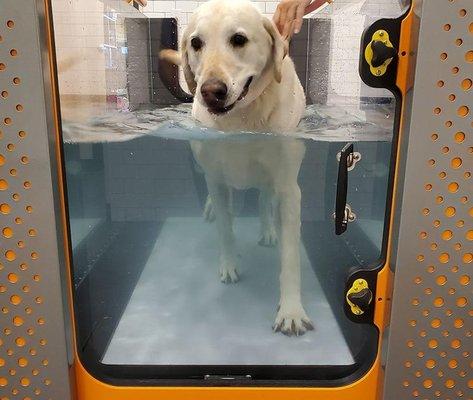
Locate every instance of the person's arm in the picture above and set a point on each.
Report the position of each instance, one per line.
(289, 14)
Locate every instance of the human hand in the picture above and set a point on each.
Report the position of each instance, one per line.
(289, 14)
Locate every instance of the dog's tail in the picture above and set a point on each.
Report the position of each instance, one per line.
(171, 56)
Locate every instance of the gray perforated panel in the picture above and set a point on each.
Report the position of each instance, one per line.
(33, 357)
(430, 343)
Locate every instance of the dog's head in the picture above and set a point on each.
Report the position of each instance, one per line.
(230, 53)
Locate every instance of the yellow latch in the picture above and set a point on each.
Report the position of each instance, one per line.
(379, 53)
(359, 296)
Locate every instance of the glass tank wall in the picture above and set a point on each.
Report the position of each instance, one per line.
(149, 299)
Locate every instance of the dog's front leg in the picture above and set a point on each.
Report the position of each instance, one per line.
(291, 318)
(220, 197)
(268, 231)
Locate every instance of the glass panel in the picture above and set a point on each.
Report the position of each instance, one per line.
(148, 259)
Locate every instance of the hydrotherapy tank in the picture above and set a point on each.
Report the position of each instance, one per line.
(148, 300)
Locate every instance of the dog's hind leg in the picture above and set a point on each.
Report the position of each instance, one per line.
(209, 213)
(221, 199)
(268, 231)
(291, 318)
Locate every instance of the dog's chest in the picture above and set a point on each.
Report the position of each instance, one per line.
(238, 164)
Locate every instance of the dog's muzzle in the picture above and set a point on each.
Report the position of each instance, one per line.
(214, 93)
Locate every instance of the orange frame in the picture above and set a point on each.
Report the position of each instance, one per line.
(368, 387)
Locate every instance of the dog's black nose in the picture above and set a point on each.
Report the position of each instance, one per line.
(214, 92)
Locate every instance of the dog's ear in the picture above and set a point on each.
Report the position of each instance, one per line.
(188, 74)
(280, 48)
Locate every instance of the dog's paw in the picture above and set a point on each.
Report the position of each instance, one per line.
(209, 213)
(268, 238)
(292, 320)
(229, 274)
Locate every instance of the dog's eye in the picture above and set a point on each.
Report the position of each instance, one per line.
(238, 40)
(196, 43)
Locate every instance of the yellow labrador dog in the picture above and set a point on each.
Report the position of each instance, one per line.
(235, 64)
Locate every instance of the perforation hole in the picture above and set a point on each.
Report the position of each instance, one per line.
(10, 255)
(453, 187)
(463, 111)
(458, 323)
(5, 208)
(455, 70)
(462, 302)
(469, 56)
(456, 162)
(450, 212)
(16, 80)
(439, 302)
(466, 84)
(441, 280)
(452, 97)
(14, 52)
(443, 56)
(465, 280)
(15, 300)
(25, 382)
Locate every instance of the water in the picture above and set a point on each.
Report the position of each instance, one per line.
(319, 123)
(143, 250)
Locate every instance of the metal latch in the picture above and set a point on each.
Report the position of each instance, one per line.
(359, 297)
(379, 53)
(352, 159)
